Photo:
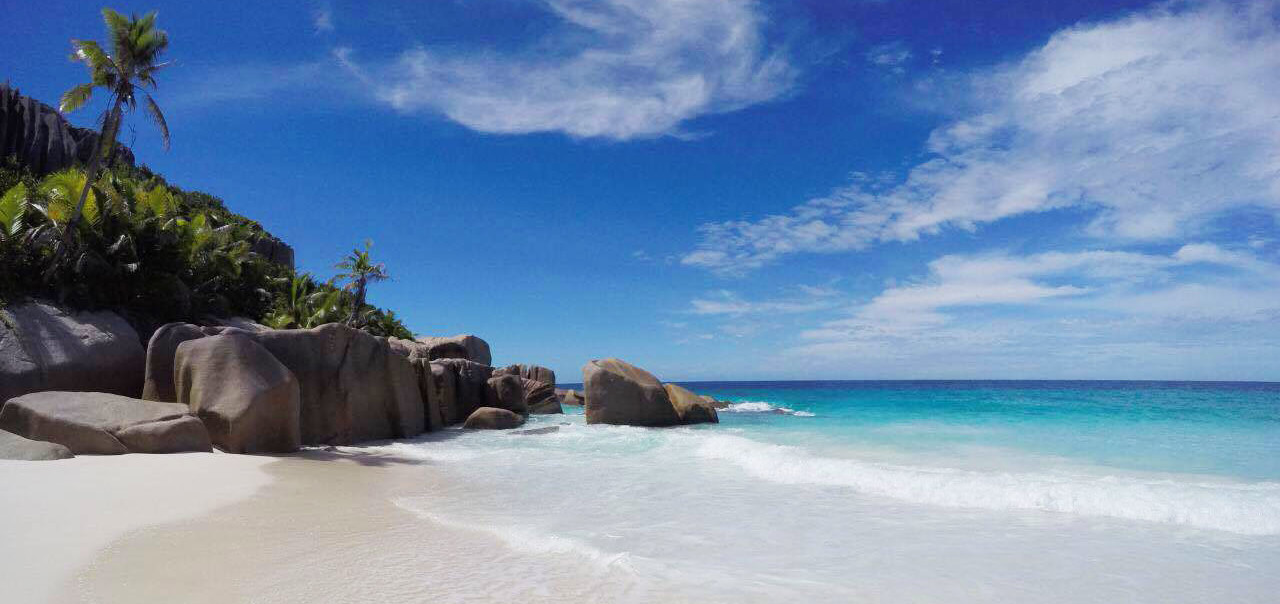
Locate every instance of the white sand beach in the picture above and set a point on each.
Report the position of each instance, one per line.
(57, 515)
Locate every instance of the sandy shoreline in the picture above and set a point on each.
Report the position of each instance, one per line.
(56, 515)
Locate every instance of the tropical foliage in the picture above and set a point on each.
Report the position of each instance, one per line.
(122, 238)
(136, 45)
(158, 254)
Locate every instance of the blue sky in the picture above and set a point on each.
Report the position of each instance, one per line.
(725, 189)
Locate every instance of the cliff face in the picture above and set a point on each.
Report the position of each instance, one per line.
(41, 138)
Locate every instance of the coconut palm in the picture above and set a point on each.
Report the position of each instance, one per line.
(136, 46)
(360, 271)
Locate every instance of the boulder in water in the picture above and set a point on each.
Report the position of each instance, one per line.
(618, 392)
(492, 418)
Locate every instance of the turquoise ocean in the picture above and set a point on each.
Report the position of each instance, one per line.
(884, 492)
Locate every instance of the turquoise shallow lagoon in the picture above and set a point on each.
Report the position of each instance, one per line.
(889, 491)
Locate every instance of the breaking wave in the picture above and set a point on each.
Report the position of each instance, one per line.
(1250, 509)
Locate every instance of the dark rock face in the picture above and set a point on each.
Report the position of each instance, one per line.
(247, 400)
(445, 385)
(43, 347)
(42, 139)
(95, 422)
(532, 372)
(161, 351)
(16, 447)
(618, 392)
(505, 392)
(691, 408)
(431, 394)
(273, 250)
(466, 347)
(540, 397)
(491, 418)
(472, 383)
(353, 387)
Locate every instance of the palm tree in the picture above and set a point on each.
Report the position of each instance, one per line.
(136, 46)
(360, 272)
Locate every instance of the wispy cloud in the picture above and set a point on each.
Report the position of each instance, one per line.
(1089, 313)
(322, 18)
(630, 69)
(725, 302)
(892, 56)
(1157, 124)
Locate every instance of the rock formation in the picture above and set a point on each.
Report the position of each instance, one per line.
(96, 422)
(42, 139)
(18, 448)
(505, 392)
(618, 392)
(532, 372)
(540, 397)
(466, 347)
(691, 408)
(471, 381)
(157, 383)
(247, 400)
(491, 418)
(273, 250)
(445, 383)
(353, 387)
(570, 397)
(43, 347)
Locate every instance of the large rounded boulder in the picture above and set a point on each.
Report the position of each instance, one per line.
(162, 349)
(247, 400)
(691, 408)
(505, 392)
(492, 418)
(618, 392)
(101, 423)
(18, 448)
(353, 386)
(43, 347)
(467, 347)
(471, 381)
(540, 397)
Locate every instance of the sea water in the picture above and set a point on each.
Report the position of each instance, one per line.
(882, 492)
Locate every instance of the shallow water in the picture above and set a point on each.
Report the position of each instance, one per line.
(895, 491)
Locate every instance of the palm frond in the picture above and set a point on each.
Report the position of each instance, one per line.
(75, 98)
(156, 116)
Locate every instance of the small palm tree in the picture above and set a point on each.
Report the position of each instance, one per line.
(360, 271)
(136, 46)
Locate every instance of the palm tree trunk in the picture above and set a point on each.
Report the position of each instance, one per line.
(357, 303)
(105, 146)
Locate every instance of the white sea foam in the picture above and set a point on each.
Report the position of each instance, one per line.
(1251, 509)
(763, 407)
(523, 539)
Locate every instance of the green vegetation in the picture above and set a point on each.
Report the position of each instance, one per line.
(136, 46)
(121, 238)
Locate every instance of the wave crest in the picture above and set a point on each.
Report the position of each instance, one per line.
(1250, 509)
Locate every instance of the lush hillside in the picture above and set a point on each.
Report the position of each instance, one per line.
(148, 249)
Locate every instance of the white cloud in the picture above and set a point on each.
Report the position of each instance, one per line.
(892, 56)
(621, 69)
(1114, 285)
(322, 19)
(724, 302)
(1158, 123)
